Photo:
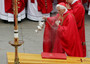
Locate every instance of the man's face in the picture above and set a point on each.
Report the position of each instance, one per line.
(60, 11)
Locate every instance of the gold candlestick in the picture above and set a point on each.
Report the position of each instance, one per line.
(16, 42)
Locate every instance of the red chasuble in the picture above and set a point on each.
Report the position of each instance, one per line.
(89, 1)
(66, 38)
(32, 1)
(61, 1)
(79, 13)
(80, 0)
(26, 1)
(45, 6)
(49, 34)
(9, 6)
(84, 1)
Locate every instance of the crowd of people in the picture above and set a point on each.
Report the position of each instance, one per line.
(34, 9)
(64, 33)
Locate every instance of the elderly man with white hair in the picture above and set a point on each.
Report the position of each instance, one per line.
(61, 34)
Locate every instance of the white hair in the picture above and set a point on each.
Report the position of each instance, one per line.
(61, 7)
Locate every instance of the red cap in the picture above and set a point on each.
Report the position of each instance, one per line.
(62, 4)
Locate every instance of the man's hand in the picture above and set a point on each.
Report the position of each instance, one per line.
(68, 6)
(57, 23)
(44, 17)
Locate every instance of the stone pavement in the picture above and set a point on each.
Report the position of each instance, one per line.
(33, 41)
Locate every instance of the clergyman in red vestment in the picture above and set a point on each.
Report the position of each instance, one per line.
(78, 10)
(66, 35)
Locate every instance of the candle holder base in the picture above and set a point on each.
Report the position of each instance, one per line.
(19, 43)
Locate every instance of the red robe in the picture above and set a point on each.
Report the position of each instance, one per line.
(33, 1)
(45, 6)
(61, 1)
(26, 3)
(66, 39)
(49, 34)
(80, 0)
(79, 13)
(89, 1)
(84, 1)
(9, 6)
